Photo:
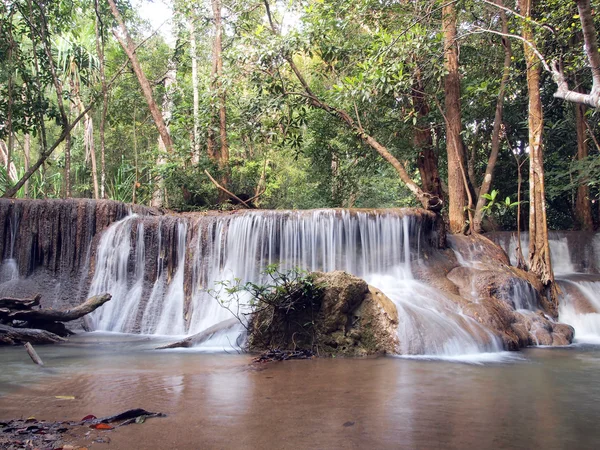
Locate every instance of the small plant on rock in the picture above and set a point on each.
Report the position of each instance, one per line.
(281, 313)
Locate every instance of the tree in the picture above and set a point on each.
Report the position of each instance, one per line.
(130, 50)
(539, 248)
(457, 180)
(496, 134)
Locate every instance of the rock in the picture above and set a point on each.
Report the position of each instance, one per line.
(351, 318)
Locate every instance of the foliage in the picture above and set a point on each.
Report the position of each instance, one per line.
(283, 309)
(368, 57)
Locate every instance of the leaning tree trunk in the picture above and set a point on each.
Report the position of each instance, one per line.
(457, 195)
(496, 133)
(539, 248)
(583, 205)
(130, 50)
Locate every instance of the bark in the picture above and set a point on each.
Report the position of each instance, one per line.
(159, 196)
(53, 315)
(457, 193)
(130, 49)
(196, 93)
(88, 129)
(497, 131)
(539, 248)
(27, 151)
(203, 336)
(100, 52)
(423, 141)
(10, 102)
(33, 354)
(583, 205)
(12, 336)
(222, 156)
(67, 165)
(20, 303)
(591, 49)
(226, 192)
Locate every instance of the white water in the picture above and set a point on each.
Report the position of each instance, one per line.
(559, 252)
(373, 245)
(586, 324)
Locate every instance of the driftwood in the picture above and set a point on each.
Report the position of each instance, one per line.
(20, 323)
(53, 315)
(284, 355)
(33, 354)
(12, 336)
(203, 336)
(20, 303)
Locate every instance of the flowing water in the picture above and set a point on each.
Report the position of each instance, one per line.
(576, 262)
(379, 246)
(540, 398)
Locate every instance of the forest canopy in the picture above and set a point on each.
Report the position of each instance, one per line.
(308, 104)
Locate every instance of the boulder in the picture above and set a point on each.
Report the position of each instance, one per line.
(350, 318)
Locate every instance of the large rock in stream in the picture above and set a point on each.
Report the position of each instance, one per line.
(351, 318)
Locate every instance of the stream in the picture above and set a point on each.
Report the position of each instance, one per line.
(537, 398)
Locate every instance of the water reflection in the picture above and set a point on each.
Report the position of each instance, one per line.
(550, 398)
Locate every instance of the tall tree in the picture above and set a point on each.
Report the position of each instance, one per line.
(219, 91)
(100, 51)
(583, 205)
(496, 133)
(457, 189)
(539, 248)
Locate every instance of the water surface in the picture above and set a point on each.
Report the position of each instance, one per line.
(538, 398)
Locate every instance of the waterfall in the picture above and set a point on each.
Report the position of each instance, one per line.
(580, 307)
(379, 246)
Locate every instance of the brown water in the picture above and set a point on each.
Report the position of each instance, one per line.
(547, 398)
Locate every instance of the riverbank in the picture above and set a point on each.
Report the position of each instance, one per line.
(537, 398)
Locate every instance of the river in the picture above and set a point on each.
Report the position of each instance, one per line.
(537, 398)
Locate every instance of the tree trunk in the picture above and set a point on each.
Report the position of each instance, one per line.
(88, 130)
(100, 52)
(196, 93)
(27, 151)
(10, 102)
(583, 205)
(68, 165)
(43, 29)
(539, 248)
(159, 196)
(223, 154)
(497, 131)
(54, 315)
(457, 195)
(423, 142)
(130, 49)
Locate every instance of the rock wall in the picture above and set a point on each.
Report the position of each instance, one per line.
(51, 242)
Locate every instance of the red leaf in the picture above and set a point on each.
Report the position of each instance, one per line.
(88, 417)
(101, 426)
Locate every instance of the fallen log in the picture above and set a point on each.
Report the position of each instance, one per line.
(53, 315)
(33, 354)
(20, 303)
(203, 336)
(12, 336)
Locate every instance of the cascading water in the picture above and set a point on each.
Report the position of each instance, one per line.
(580, 307)
(375, 245)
